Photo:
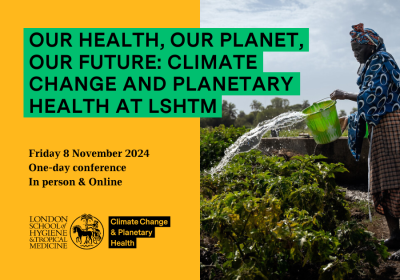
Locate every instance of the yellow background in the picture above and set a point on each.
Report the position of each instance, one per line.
(165, 184)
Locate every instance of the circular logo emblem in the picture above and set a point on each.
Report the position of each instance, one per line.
(86, 232)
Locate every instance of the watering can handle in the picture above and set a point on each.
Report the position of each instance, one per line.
(322, 99)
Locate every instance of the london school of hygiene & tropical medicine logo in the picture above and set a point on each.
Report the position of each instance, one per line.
(86, 232)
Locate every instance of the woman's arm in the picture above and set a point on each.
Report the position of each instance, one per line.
(343, 95)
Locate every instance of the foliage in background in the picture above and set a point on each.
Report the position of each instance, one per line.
(342, 113)
(258, 114)
(229, 114)
(246, 120)
(256, 106)
(289, 132)
(214, 141)
(269, 215)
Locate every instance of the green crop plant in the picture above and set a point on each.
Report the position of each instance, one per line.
(214, 141)
(268, 215)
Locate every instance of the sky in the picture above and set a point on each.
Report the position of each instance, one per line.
(330, 63)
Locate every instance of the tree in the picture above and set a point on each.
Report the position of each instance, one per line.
(245, 120)
(342, 113)
(353, 110)
(285, 103)
(242, 114)
(229, 113)
(232, 111)
(296, 108)
(305, 104)
(256, 106)
(279, 103)
(229, 109)
(224, 105)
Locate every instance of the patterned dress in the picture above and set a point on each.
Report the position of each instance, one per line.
(385, 165)
(378, 103)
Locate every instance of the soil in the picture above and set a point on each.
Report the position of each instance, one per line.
(389, 269)
(207, 250)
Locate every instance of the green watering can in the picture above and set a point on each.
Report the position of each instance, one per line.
(323, 121)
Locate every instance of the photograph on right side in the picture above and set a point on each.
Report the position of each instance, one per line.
(306, 187)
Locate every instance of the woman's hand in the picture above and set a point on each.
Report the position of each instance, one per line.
(342, 95)
(338, 94)
(343, 123)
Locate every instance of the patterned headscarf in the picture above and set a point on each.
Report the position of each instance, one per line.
(364, 36)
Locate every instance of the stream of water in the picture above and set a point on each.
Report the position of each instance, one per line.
(252, 139)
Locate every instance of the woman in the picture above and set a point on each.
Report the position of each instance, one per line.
(377, 104)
